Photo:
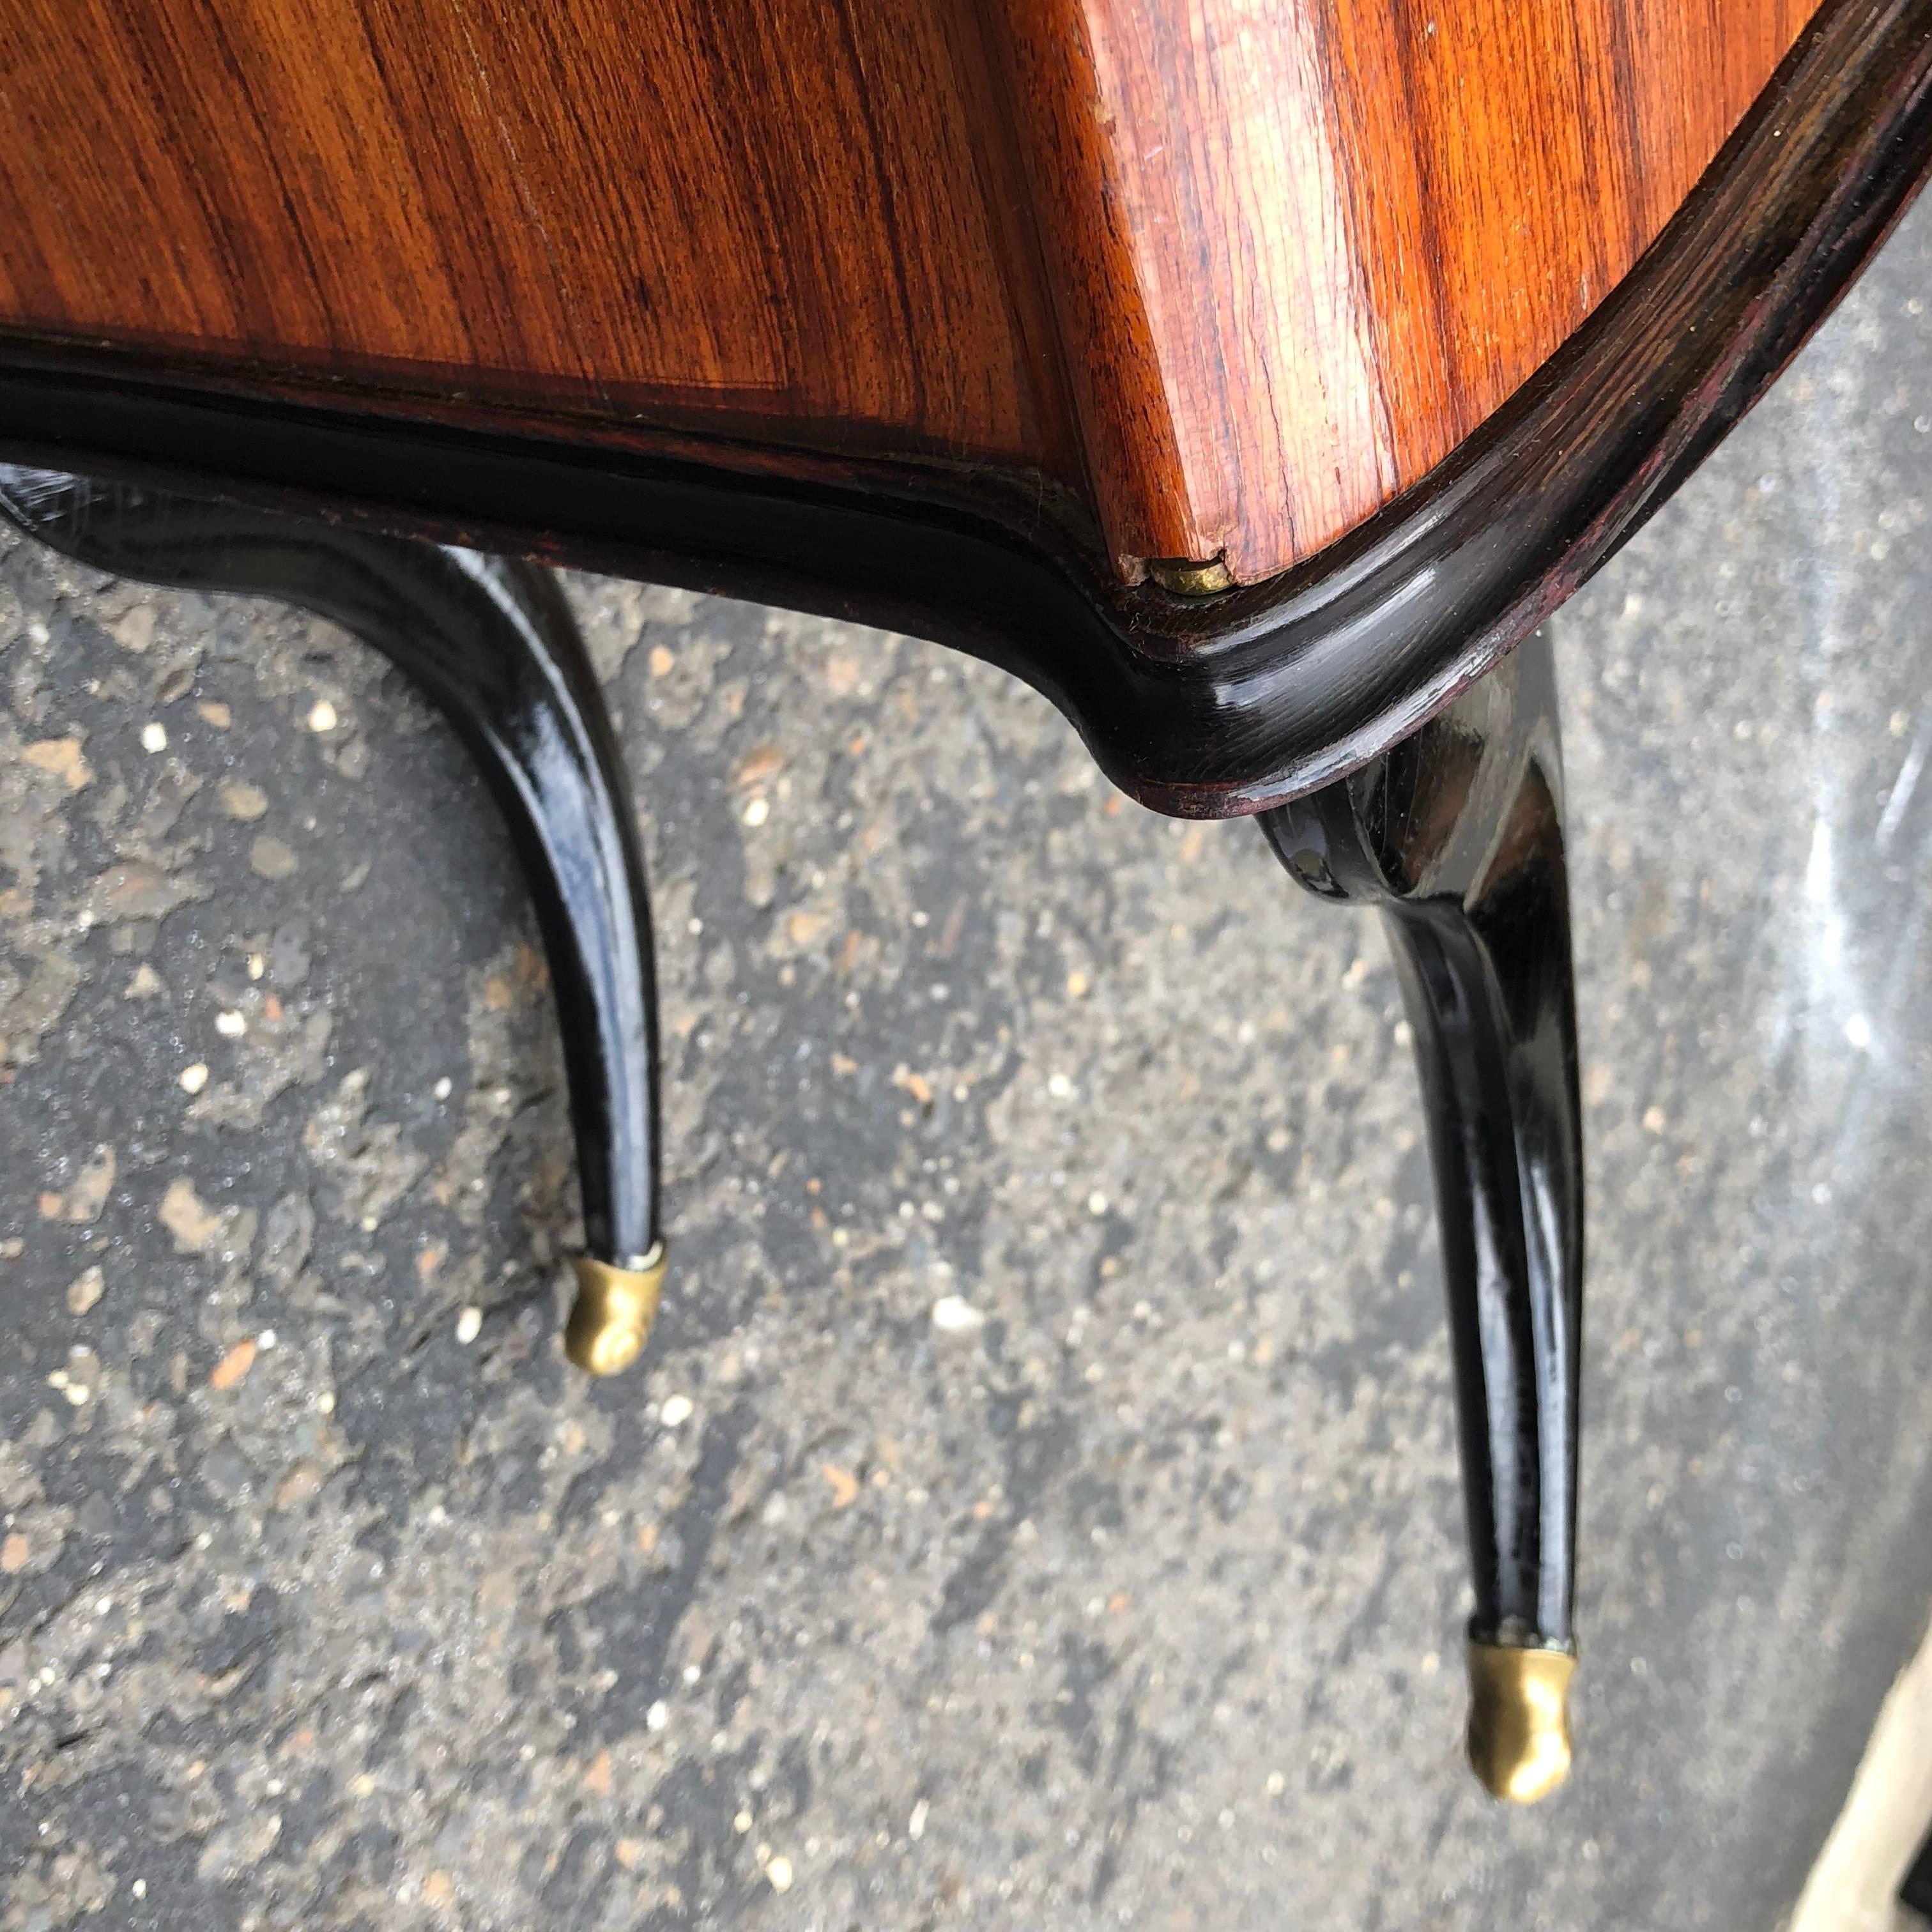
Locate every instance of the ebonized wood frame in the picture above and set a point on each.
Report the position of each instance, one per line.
(1205, 707)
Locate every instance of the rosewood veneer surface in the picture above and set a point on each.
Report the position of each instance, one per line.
(1221, 277)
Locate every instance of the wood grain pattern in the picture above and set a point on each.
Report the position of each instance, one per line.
(1234, 271)
(1350, 228)
(774, 217)
(1528, 154)
(1203, 706)
(1219, 345)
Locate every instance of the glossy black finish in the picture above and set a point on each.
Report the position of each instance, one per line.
(1457, 834)
(492, 645)
(1206, 708)
(1915, 1893)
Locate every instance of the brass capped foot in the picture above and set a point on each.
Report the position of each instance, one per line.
(1519, 1720)
(611, 1319)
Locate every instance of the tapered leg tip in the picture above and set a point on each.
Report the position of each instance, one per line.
(615, 1307)
(1519, 1720)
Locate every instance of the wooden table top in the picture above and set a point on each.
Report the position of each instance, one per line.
(1223, 275)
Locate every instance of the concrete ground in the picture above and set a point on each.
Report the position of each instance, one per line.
(1130, 1594)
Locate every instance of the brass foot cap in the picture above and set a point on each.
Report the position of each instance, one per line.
(1519, 1720)
(614, 1310)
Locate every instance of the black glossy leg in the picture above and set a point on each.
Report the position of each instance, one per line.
(1915, 1893)
(491, 642)
(1457, 834)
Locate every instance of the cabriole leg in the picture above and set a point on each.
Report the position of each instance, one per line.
(491, 642)
(1457, 836)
